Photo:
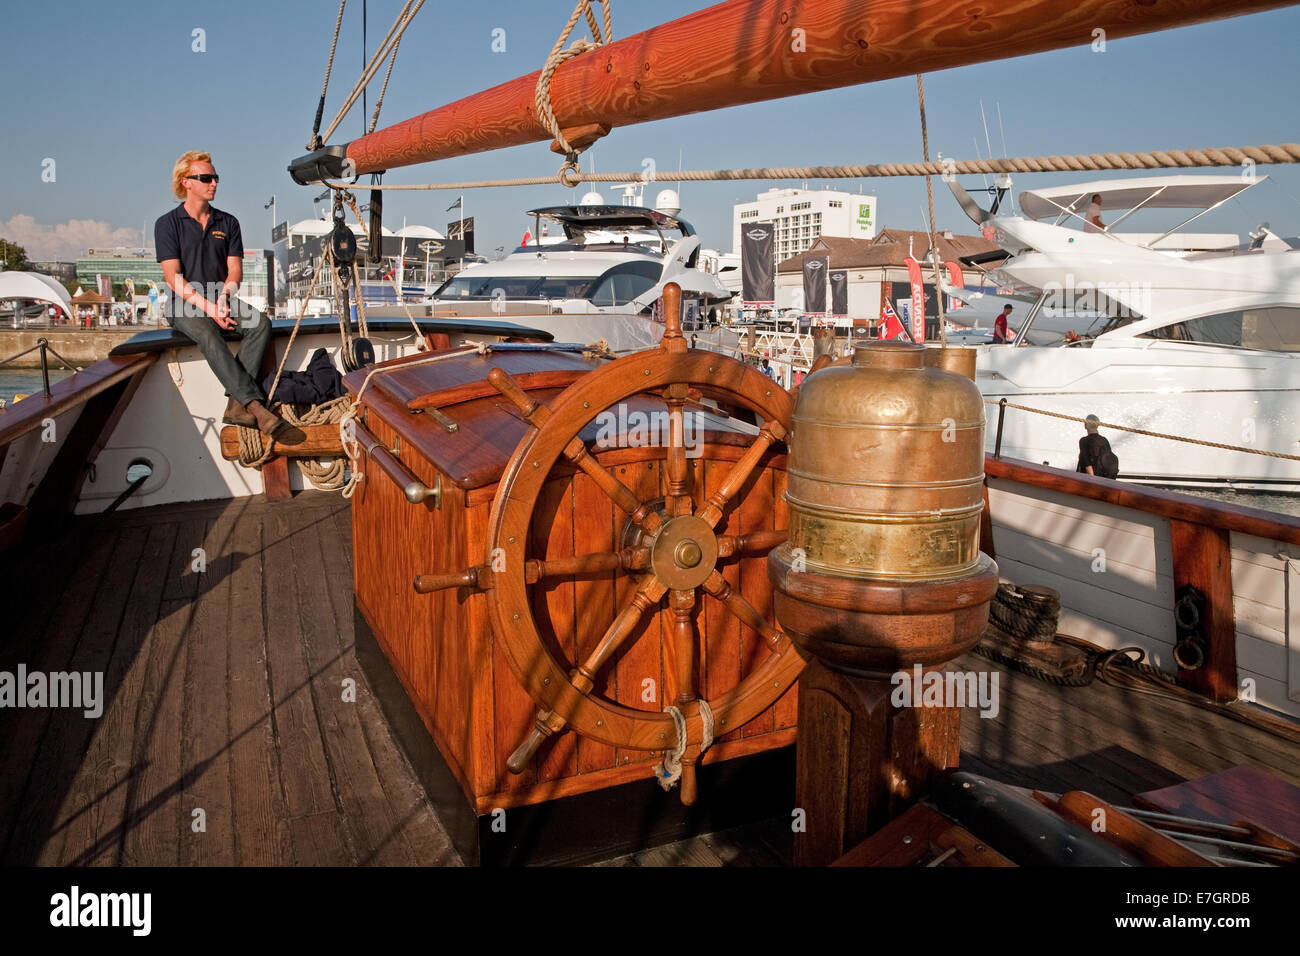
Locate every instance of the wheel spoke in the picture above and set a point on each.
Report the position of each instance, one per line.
(624, 499)
(756, 542)
(677, 499)
(768, 435)
(537, 415)
(583, 677)
(597, 562)
(682, 644)
(737, 605)
(647, 596)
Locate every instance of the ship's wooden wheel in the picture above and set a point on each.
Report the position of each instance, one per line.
(673, 550)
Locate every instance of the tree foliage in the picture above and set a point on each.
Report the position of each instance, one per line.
(14, 256)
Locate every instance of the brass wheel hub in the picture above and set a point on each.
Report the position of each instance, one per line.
(684, 552)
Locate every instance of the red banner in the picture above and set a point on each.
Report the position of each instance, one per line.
(918, 299)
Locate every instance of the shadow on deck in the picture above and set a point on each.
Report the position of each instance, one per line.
(226, 691)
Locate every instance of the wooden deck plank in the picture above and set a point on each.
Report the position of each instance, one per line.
(261, 820)
(205, 725)
(26, 731)
(309, 787)
(428, 841)
(69, 731)
(154, 806)
(95, 834)
(365, 813)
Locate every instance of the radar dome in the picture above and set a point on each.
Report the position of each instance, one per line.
(668, 203)
(592, 198)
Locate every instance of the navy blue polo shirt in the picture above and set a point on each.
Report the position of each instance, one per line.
(201, 251)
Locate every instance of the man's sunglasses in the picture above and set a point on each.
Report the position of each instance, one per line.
(206, 177)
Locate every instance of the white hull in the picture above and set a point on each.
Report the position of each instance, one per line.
(1227, 396)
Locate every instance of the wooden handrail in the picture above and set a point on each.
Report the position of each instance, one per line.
(1166, 504)
(26, 416)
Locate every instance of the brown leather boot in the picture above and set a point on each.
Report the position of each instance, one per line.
(268, 423)
(237, 414)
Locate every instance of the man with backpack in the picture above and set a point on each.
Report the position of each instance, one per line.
(1095, 455)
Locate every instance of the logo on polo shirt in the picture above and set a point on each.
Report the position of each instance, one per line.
(218, 234)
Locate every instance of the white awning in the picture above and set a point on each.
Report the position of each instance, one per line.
(33, 286)
(1159, 192)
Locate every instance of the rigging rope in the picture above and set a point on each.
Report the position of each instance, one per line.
(558, 55)
(1150, 434)
(379, 103)
(399, 27)
(1076, 162)
(315, 141)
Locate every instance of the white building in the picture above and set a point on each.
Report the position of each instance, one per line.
(801, 215)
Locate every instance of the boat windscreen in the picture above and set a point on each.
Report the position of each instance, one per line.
(515, 287)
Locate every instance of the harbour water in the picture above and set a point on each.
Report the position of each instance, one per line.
(25, 381)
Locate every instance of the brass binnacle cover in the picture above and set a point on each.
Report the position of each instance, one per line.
(886, 467)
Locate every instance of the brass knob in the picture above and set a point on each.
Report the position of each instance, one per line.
(688, 554)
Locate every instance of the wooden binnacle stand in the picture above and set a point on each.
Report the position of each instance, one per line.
(881, 582)
(671, 546)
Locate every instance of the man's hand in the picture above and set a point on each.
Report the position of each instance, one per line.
(221, 312)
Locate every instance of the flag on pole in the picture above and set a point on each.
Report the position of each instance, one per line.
(918, 299)
(890, 326)
(455, 205)
(269, 203)
(528, 237)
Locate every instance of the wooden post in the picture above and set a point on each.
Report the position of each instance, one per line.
(861, 760)
(1203, 560)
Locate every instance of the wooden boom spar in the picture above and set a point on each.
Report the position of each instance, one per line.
(748, 51)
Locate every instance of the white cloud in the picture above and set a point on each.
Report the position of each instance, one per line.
(64, 241)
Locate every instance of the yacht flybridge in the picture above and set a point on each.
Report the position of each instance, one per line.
(1194, 337)
(600, 279)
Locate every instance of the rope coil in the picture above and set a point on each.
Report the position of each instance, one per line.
(670, 770)
(569, 173)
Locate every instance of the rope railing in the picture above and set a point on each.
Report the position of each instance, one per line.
(1077, 162)
(1003, 403)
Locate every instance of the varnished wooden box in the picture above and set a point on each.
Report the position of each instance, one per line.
(441, 645)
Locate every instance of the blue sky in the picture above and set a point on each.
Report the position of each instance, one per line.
(114, 92)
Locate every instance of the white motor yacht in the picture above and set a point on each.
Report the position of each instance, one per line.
(1200, 338)
(599, 280)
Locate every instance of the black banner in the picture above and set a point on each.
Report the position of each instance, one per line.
(814, 283)
(462, 229)
(757, 268)
(839, 292)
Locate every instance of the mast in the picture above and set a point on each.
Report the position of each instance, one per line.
(747, 51)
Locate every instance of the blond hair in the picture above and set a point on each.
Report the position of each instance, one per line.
(182, 169)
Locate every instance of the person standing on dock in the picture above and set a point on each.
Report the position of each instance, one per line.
(201, 250)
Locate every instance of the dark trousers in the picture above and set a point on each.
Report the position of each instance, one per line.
(238, 373)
